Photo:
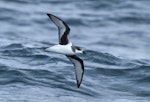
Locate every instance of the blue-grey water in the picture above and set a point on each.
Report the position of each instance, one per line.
(114, 33)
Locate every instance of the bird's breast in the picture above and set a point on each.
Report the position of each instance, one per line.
(62, 49)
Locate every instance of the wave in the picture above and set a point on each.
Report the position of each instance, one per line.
(101, 64)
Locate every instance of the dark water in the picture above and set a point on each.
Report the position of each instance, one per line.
(115, 34)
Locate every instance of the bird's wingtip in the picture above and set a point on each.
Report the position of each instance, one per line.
(48, 14)
(78, 84)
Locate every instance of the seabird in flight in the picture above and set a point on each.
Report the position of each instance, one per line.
(65, 47)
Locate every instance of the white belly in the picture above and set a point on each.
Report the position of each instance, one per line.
(61, 49)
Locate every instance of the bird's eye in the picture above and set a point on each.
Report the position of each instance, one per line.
(78, 48)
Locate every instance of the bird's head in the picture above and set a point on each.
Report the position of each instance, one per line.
(79, 50)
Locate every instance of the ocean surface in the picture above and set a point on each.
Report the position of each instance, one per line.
(114, 33)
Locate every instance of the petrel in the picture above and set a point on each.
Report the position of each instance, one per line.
(65, 47)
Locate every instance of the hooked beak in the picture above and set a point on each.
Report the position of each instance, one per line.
(84, 52)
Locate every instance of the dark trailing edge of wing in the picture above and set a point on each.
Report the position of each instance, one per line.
(82, 66)
(63, 39)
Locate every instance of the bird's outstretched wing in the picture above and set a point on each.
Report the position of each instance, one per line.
(63, 29)
(79, 68)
